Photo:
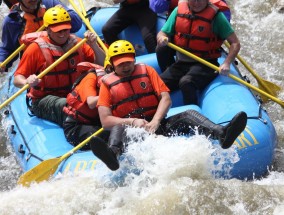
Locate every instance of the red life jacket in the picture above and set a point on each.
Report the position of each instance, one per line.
(194, 31)
(75, 107)
(31, 22)
(132, 96)
(59, 81)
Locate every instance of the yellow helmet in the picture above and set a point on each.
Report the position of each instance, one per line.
(120, 47)
(107, 62)
(55, 15)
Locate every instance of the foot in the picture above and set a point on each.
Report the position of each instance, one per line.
(106, 154)
(233, 130)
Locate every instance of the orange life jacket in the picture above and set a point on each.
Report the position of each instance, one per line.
(132, 96)
(75, 107)
(32, 22)
(194, 31)
(58, 81)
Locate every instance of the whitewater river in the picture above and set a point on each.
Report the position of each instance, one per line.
(179, 183)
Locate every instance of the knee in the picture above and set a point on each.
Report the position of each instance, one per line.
(184, 81)
(106, 29)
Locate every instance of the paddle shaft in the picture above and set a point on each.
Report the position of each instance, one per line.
(47, 70)
(171, 45)
(17, 51)
(63, 157)
(86, 21)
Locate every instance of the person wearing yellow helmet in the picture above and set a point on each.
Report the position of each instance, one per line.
(48, 95)
(26, 17)
(134, 95)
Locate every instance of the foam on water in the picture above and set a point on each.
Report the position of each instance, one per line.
(174, 173)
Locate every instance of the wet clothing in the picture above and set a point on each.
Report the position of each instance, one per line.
(105, 99)
(128, 14)
(13, 28)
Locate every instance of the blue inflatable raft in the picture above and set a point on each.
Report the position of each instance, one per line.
(35, 140)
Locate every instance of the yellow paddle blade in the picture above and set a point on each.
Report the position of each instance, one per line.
(47, 168)
(265, 85)
(41, 172)
(268, 87)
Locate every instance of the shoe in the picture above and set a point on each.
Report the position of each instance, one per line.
(233, 130)
(106, 154)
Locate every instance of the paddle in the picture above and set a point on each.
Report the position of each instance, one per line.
(265, 85)
(48, 69)
(47, 168)
(86, 21)
(16, 52)
(171, 45)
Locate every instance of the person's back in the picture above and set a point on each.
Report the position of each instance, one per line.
(26, 17)
(132, 12)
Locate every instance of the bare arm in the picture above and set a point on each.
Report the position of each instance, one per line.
(20, 81)
(99, 52)
(92, 101)
(162, 110)
(233, 51)
(162, 39)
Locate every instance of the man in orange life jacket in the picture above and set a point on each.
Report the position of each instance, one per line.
(132, 12)
(48, 95)
(26, 17)
(82, 114)
(199, 27)
(134, 95)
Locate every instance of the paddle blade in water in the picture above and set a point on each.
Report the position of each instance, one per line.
(41, 172)
(268, 87)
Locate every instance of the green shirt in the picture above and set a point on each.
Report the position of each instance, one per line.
(221, 26)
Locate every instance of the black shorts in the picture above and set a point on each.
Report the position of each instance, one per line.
(181, 73)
